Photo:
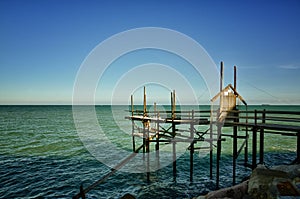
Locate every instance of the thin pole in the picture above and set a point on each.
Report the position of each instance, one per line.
(132, 123)
(148, 155)
(221, 76)
(132, 107)
(174, 160)
(82, 194)
(144, 122)
(261, 139)
(146, 136)
(235, 134)
(254, 141)
(235, 131)
(234, 77)
(298, 147)
(211, 142)
(211, 149)
(145, 103)
(219, 130)
(173, 133)
(157, 137)
(172, 105)
(192, 148)
(247, 136)
(157, 130)
(219, 143)
(254, 150)
(157, 147)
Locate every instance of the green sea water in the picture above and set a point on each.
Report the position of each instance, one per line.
(42, 156)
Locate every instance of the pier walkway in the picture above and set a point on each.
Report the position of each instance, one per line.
(247, 126)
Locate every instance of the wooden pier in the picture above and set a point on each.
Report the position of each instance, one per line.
(246, 125)
(182, 126)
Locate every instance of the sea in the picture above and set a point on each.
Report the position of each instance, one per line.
(42, 155)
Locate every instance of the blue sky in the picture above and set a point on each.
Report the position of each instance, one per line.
(43, 43)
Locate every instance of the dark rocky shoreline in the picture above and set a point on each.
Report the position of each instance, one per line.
(264, 183)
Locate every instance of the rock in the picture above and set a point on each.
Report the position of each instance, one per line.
(293, 171)
(271, 183)
(235, 192)
(277, 182)
(128, 196)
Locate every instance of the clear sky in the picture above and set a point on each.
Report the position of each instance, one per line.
(44, 42)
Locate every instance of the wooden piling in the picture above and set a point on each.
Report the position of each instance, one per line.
(211, 149)
(246, 142)
(219, 130)
(234, 78)
(148, 155)
(221, 85)
(254, 147)
(192, 129)
(298, 148)
(254, 141)
(157, 130)
(144, 122)
(235, 132)
(145, 103)
(82, 194)
(262, 138)
(173, 105)
(221, 76)
(132, 106)
(132, 123)
(174, 160)
(219, 146)
(235, 152)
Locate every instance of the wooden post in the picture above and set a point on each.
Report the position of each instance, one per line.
(235, 134)
(254, 141)
(247, 136)
(219, 145)
(132, 107)
(234, 78)
(211, 142)
(146, 136)
(261, 139)
(174, 160)
(173, 104)
(145, 103)
(221, 87)
(235, 130)
(144, 121)
(211, 148)
(246, 148)
(157, 130)
(132, 123)
(298, 148)
(192, 147)
(148, 155)
(219, 130)
(254, 150)
(221, 76)
(173, 133)
(82, 194)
